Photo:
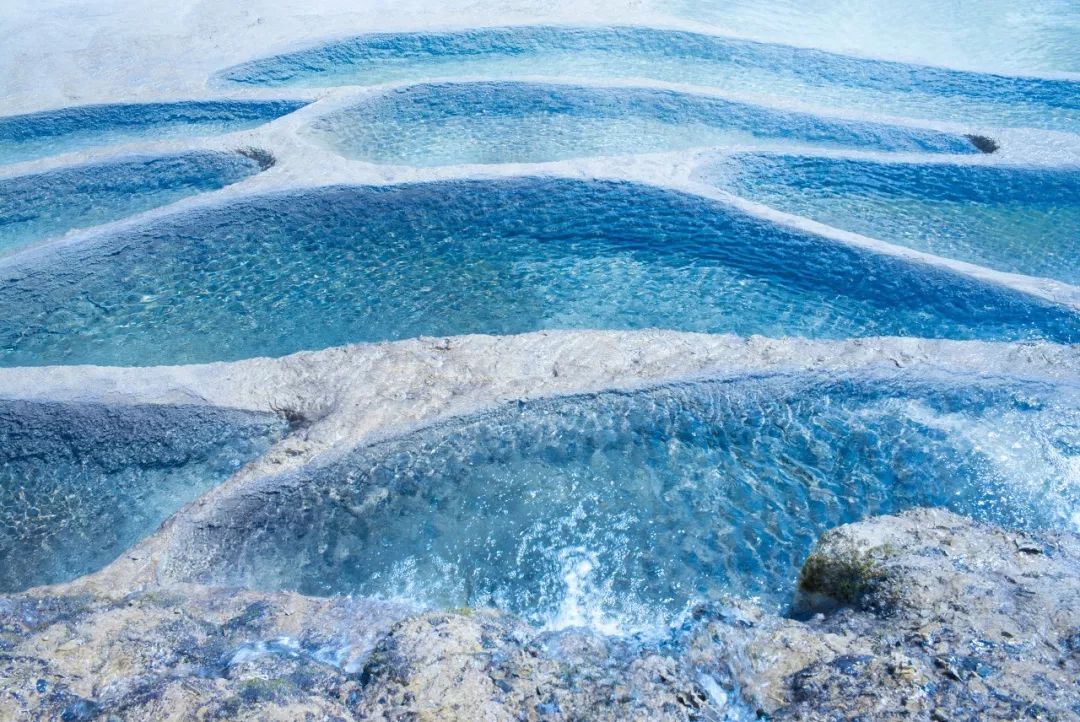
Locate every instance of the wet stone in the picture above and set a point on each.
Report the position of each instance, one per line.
(733, 661)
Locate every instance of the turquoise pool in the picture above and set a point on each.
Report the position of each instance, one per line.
(309, 269)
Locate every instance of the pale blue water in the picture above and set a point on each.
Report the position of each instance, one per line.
(80, 483)
(624, 508)
(1023, 220)
(23, 137)
(615, 509)
(1036, 36)
(44, 205)
(760, 69)
(501, 122)
(312, 269)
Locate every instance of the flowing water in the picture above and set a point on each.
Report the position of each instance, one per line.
(619, 510)
(947, 127)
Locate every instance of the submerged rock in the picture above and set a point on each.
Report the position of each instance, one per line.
(926, 616)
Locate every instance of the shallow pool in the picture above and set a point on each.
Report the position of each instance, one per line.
(23, 137)
(734, 66)
(1038, 36)
(80, 483)
(275, 274)
(1023, 220)
(508, 122)
(44, 205)
(620, 509)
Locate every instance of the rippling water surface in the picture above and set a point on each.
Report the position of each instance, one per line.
(771, 72)
(313, 269)
(1017, 219)
(1039, 36)
(616, 510)
(80, 483)
(622, 508)
(43, 205)
(457, 123)
(23, 137)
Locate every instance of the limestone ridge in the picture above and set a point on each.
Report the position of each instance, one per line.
(925, 615)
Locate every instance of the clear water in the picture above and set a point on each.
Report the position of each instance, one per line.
(312, 269)
(44, 205)
(620, 509)
(23, 137)
(1023, 220)
(80, 483)
(1039, 36)
(454, 123)
(818, 78)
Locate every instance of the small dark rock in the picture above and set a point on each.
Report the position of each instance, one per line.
(264, 158)
(850, 664)
(81, 710)
(983, 143)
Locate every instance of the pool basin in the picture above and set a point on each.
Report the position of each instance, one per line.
(517, 122)
(80, 483)
(626, 508)
(756, 69)
(50, 132)
(44, 205)
(1014, 219)
(274, 274)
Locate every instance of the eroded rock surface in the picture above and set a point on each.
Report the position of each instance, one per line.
(184, 653)
(924, 616)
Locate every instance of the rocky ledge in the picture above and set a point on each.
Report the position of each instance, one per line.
(922, 616)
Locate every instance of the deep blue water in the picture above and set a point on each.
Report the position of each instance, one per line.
(811, 76)
(23, 137)
(1024, 220)
(311, 269)
(504, 122)
(44, 205)
(630, 506)
(80, 483)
